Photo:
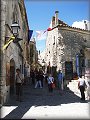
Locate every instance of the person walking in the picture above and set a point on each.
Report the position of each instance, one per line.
(50, 80)
(59, 78)
(19, 83)
(38, 80)
(41, 76)
(32, 76)
(81, 86)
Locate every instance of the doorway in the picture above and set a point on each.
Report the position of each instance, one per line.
(12, 77)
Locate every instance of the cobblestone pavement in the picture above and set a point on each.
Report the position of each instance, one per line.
(40, 104)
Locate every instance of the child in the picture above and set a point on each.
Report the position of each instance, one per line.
(50, 80)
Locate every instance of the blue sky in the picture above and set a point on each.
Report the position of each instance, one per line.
(40, 12)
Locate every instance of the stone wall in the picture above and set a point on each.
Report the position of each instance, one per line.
(51, 45)
(8, 11)
(73, 43)
(2, 55)
(64, 44)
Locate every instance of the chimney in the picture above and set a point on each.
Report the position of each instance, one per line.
(56, 18)
(53, 21)
(86, 27)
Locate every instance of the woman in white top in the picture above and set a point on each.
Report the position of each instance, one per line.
(50, 80)
(19, 82)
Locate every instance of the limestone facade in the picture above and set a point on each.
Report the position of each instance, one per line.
(14, 56)
(64, 42)
(33, 54)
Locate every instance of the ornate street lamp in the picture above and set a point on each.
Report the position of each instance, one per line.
(15, 28)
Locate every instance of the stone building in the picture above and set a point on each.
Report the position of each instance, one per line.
(33, 54)
(15, 55)
(66, 43)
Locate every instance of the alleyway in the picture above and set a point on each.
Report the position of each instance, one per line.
(40, 104)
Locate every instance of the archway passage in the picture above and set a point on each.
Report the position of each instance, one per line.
(12, 76)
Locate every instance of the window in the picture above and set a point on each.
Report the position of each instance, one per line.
(15, 15)
(89, 63)
(54, 37)
(54, 41)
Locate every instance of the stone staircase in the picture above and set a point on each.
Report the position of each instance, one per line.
(73, 86)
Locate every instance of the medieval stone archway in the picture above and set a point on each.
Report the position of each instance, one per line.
(12, 76)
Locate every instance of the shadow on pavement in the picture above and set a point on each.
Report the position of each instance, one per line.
(39, 97)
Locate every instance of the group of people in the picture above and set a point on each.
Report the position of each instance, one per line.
(38, 78)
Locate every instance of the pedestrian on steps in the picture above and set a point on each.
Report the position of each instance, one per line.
(81, 87)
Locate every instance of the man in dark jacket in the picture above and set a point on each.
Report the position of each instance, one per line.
(38, 79)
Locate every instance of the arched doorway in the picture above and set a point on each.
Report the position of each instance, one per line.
(12, 76)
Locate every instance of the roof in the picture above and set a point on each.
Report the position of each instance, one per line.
(63, 24)
(59, 21)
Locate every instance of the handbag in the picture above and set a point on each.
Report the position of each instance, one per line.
(53, 85)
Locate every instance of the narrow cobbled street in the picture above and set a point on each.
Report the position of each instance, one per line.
(40, 104)
(45, 43)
